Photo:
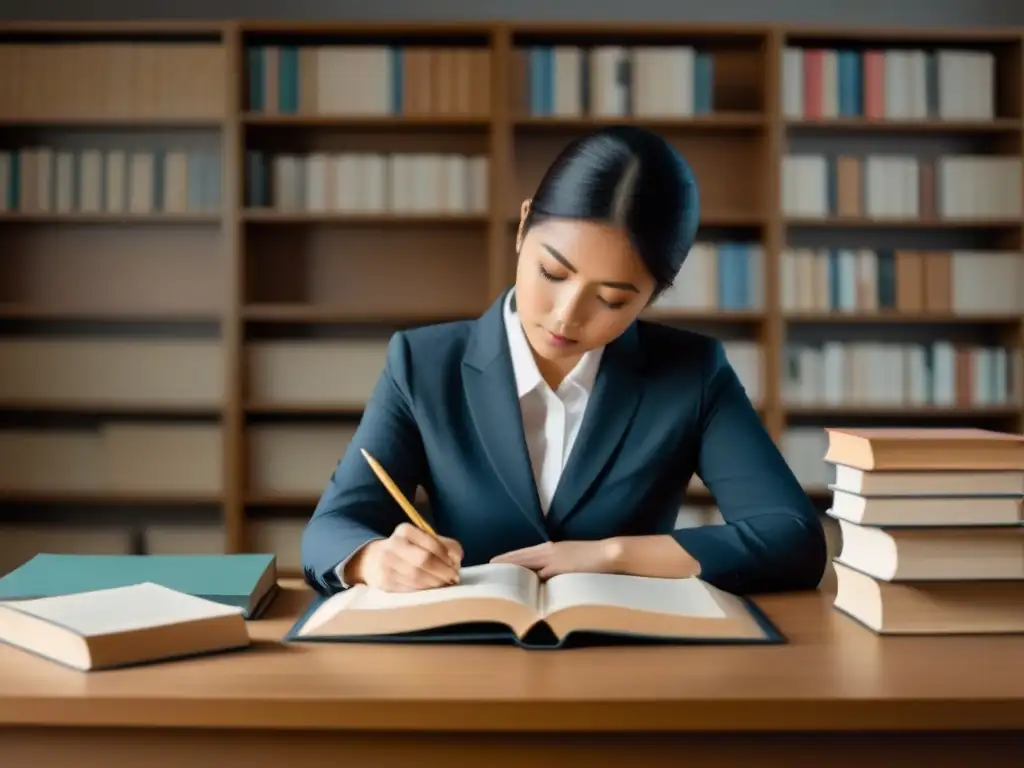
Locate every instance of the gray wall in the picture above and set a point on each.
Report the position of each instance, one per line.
(927, 13)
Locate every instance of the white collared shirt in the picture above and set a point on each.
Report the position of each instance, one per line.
(551, 418)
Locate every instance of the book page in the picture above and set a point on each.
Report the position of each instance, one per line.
(685, 597)
(493, 581)
(121, 609)
(492, 592)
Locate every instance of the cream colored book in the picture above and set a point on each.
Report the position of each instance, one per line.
(121, 626)
(930, 608)
(507, 602)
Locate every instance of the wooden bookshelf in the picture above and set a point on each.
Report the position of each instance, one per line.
(215, 229)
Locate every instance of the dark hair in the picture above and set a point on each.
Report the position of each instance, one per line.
(632, 178)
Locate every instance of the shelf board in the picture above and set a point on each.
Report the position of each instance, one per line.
(682, 315)
(797, 34)
(134, 122)
(720, 120)
(367, 122)
(26, 311)
(717, 219)
(902, 411)
(867, 223)
(283, 500)
(119, 498)
(751, 33)
(102, 28)
(271, 216)
(112, 407)
(898, 318)
(727, 219)
(305, 313)
(25, 217)
(303, 409)
(290, 502)
(1000, 125)
(364, 27)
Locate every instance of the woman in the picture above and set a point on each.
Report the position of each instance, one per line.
(558, 431)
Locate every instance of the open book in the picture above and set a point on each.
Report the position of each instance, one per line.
(498, 602)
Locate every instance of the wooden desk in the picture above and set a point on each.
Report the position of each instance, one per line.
(812, 702)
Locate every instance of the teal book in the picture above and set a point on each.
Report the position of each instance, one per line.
(246, 581)
(509, 604)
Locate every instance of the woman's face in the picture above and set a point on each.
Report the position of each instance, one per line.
(579, 285)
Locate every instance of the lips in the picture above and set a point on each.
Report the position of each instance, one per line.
(559, 341)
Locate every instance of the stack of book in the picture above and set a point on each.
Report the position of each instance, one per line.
(932, 529)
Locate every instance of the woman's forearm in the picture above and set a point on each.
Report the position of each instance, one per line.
(658, 556)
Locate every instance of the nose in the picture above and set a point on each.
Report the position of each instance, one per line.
(568, 310)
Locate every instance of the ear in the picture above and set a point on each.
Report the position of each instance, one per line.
(524, 211)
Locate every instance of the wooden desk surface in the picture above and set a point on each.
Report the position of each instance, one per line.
(833, 675)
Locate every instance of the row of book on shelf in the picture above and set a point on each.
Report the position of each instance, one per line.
(930, 523)
(914, 83)
(907, 281)
(85, 79)
(901, 185)
(369, 80)
(547, 80)
(888, 83)
(57, 180)
(186, 373)
(183, 372)
(721, 275)
(565, 80)
(43, 179)
(368, 182)
(726, 275)
(613, 81)
(889, 374)
(48, 179)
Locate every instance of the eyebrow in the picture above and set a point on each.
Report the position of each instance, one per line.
(568, 265)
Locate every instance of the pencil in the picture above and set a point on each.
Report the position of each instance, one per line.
(397, 494)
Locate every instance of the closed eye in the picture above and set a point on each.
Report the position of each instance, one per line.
(558, 279)
(548, 276)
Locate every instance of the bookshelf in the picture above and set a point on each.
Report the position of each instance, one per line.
(211, 229)
(901, 284)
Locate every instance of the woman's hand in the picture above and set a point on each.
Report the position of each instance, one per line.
(407, 561)
(554, 557)
(659, 556)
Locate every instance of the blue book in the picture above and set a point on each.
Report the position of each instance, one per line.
(508, 604)
(247, 581)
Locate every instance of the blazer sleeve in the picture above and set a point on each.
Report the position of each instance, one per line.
(355, 507)
(773, 539)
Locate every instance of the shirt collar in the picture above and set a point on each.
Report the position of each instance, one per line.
(527, 375)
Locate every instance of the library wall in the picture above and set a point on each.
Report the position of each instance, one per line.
(210, 234)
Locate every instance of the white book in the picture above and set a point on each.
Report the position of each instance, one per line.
(122, 626)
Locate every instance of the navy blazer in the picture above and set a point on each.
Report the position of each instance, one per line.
(666, 403)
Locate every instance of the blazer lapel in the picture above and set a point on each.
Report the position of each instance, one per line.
(489, 384)
(613, 402)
